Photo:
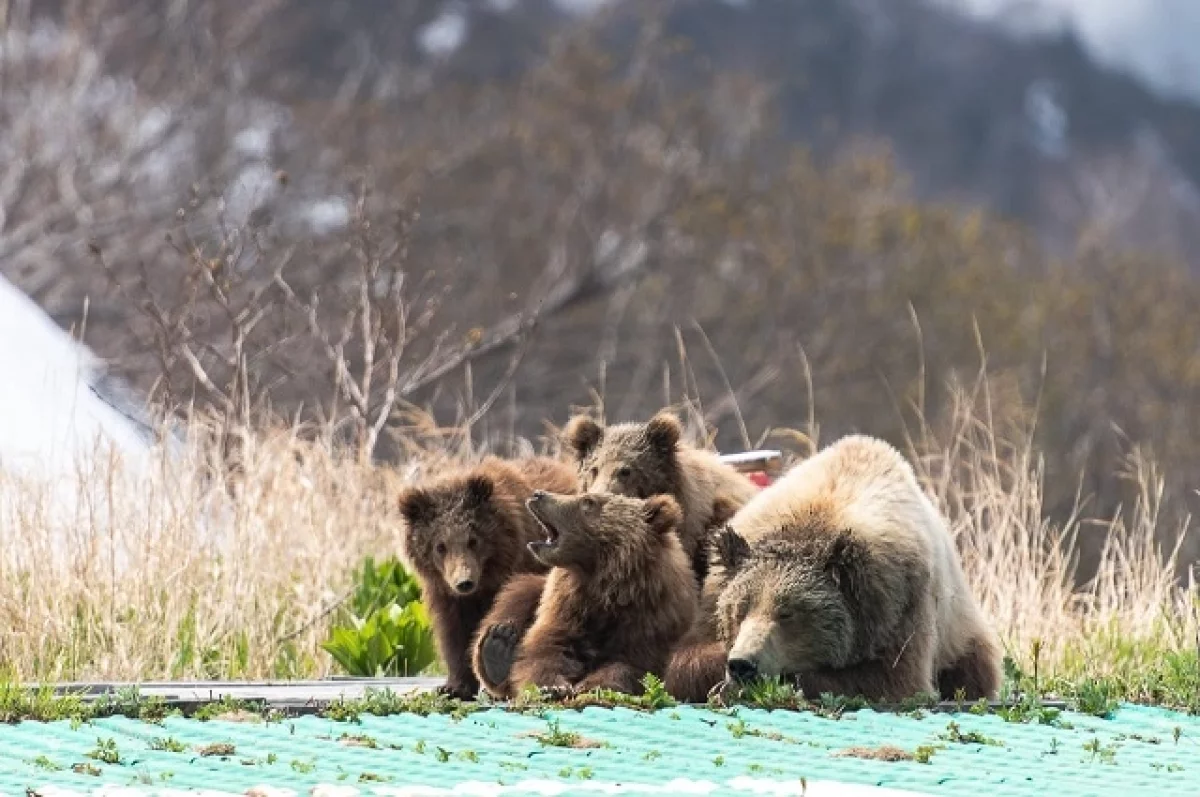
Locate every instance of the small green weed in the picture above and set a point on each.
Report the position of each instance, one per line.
(555, 736)
(955, 734)
(1095, 697)
(232, 709)
(924, 754)
(42, 762)
(740, 729)
(386, 703)
(1105, 753)
(167, 744)
(105, 751)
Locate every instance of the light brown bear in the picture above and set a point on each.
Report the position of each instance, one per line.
(619, 595)
(645, 459)
(466, 534)
(843, 575)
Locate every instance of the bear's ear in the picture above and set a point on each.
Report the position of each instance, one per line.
(477, 491)
(843, 560)
(417, 506)
(730, 548)
(663, 514)
(663, 432)
(723, 511)
(582, 435)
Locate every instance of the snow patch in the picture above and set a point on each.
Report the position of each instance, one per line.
(581, 6)
(327, 215)
(443, 35)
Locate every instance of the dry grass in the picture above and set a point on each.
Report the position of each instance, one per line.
(1118, 623)
(199, 570)
(206, 570)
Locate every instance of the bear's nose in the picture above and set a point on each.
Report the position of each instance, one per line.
(465, 586)
(742, 670)
(538, 495)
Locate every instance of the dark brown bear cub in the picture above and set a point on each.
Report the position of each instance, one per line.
(651, 458)
(466, 534)
(619, 595)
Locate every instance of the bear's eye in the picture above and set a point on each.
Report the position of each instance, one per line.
(623, 472)
(595, 473)
(588, 503)
(441, 548)
(472, 543)
(785, 613)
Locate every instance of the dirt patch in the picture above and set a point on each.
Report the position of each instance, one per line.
(885, 753)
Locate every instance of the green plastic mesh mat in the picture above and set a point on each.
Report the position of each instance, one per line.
(616, 751)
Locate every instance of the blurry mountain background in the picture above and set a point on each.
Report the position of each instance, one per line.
(787, 209)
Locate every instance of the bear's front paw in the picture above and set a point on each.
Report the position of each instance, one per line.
(497, 652)
(559, 691)
(462, 690)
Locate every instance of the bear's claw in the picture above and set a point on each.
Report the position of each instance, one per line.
(461, 691)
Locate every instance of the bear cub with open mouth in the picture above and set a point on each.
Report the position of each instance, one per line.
(620, 593)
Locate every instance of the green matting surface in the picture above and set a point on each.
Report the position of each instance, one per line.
(674, 751)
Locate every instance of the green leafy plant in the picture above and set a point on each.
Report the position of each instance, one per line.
(106, 751)
(379, 585)
(385, 630)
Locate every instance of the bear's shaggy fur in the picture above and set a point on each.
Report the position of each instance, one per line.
(466, 534)
(619, 595)
(645, 459)
(843, 575)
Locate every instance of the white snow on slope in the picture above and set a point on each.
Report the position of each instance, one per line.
(1152, 39)
(51, 410)
(77, 465)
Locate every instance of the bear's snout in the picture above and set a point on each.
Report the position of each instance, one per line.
(742, 670)
(538, 495)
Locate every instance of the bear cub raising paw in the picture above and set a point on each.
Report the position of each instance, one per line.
(619, 595)
(466, 535)
(645, 459)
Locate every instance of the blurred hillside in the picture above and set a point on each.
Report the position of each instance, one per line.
(840, 205)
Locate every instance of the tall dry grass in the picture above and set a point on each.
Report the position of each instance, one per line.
(202, 568)
(1139, 606)
(207, 570)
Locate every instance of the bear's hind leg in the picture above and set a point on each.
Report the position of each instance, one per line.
(976, 672)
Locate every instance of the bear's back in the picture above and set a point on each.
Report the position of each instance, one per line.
(858, 483)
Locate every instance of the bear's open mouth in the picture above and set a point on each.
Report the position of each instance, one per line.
(549, 528)
(551, 533)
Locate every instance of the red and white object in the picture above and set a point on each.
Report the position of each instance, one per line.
(761, 467)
